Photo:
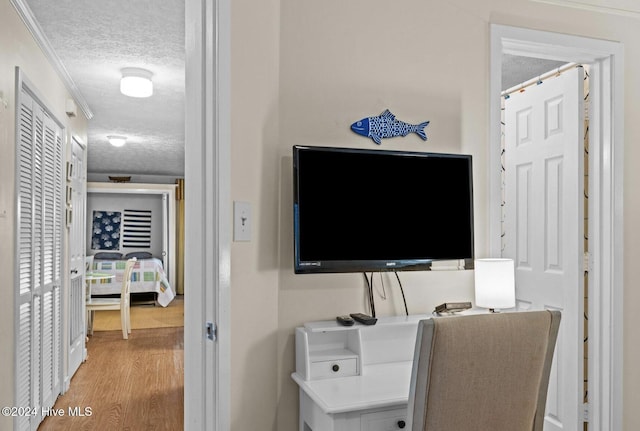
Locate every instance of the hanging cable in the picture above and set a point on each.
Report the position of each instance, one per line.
(372, 305)
(383, 295)
(406, 310)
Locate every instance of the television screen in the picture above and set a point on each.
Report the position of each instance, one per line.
(359, 210)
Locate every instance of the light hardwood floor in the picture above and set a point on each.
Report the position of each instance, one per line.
(143, 316)
(134, 384)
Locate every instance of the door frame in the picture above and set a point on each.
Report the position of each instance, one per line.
(165, 192)
(606, 138)
(207, 272)
(208, 213)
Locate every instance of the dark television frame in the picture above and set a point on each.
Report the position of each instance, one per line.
(375, 265)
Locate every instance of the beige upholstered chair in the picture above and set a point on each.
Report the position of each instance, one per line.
(482, 372)
(121, 303)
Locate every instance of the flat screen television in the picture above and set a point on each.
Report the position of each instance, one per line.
(360, 210)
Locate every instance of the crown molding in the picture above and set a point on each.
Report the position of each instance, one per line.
(34, 27)
(613, 7)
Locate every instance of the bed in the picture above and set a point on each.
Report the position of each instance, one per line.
(148, 277)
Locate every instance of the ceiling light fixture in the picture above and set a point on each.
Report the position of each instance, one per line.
(136, 82)
(117, 141)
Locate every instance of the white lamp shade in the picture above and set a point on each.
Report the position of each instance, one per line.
(495, 283)
(136, 82)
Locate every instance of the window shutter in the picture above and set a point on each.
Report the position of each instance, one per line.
(136, 231)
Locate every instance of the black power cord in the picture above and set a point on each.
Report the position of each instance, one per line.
(406, 310)
(372, 304)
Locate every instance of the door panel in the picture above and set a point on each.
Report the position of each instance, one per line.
(544, 223)
(77, 190)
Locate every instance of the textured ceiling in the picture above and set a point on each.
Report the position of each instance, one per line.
(94, 40)
(516, 70)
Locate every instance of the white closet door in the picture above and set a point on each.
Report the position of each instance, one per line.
(38, 323)
(52, 262)
(28, 261)
(544, 151)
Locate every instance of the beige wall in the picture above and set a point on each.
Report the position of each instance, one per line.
(255, 33)
(17, 48)
(338, 62)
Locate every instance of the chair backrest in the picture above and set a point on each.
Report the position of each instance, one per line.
(126, 281)
(482, 372)
(88, 263)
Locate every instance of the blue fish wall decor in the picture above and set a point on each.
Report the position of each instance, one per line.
(386, 126)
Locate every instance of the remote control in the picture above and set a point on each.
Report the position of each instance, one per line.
(364, 319)
(345, 320)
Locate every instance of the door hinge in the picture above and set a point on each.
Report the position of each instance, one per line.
(585, 412)
(212, 331)
(586, 262)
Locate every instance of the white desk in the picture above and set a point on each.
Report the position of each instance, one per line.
(355, 378)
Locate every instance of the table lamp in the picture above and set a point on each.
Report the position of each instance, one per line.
(495, 283)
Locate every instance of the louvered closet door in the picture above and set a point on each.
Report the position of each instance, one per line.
(38, 337)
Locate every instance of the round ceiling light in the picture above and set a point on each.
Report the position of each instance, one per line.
(117, 141)
(136, 82)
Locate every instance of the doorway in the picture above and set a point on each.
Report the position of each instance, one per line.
(605, 183)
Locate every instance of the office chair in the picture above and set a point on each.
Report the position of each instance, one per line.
(482, 372)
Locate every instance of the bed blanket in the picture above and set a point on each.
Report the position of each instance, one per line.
(148, 276)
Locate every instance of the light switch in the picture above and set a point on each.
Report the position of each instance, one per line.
(241, 221)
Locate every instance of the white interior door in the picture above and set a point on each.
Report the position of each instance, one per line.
(77, 191)
(544, 223)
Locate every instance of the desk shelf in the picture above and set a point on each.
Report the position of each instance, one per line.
(355, 377)
(327, 354)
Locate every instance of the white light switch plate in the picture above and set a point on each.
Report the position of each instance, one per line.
(241, 221)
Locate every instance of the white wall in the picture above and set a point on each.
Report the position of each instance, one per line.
(338, 62)
(17, 48)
